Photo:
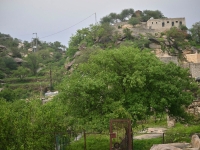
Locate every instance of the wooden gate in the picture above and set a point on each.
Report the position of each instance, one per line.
(121, 137)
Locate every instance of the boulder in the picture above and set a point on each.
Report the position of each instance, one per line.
(154, 46)
(78, 53)
(195, 141)
(164, 147)
(69, 65)
(30, 50)
(170, 122)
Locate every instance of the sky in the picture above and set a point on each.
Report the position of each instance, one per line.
(58, 20)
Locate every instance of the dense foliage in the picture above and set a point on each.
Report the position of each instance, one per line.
(31, 125)
(114, 75)
(132, 16)
(126, 83)
(195, 31)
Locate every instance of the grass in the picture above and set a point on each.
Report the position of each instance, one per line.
(146, 144)
(93, 142)
(101, 142)
(179, 133)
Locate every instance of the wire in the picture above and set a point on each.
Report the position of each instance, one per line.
(66, 28)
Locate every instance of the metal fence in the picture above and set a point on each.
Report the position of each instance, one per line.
(64, 140)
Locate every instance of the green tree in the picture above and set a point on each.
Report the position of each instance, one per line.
(7, 64)
(176, 41)
(126, 14)
(133, 21)
(106, 19)
(113, 17)
(127, 32)
(16, 52)
(100, 34)
(33, 63)
(126, 83)
(8, 95)
(147, 14)
(21, 72)
(195, 32)
(31, 125)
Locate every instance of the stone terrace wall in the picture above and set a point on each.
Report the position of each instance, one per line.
(169, 59)
(194, 69)
(194, 108)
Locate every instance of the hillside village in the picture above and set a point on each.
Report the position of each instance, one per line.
(109, 71)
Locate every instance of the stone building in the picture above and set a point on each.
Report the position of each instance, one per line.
(165, 23)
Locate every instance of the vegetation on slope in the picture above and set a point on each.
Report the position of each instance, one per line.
(114, 75)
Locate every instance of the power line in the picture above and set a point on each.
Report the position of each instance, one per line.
(68, 27)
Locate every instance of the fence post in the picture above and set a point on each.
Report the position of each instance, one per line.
(163, 138)
(132, 141)
(84, 140)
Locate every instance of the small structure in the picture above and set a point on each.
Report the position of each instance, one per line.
(165, 23)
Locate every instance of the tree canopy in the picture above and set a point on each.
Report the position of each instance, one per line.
(125, 83)
(195, 31)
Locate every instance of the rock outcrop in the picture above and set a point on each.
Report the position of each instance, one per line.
(164, 147)
(194, 145)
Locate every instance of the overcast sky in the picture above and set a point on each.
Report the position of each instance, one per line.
(22, 18)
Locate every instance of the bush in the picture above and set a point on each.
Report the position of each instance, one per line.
(133, 21)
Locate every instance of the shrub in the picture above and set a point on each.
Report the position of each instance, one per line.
(133, 21)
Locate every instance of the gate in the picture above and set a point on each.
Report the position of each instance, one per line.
(121, 137)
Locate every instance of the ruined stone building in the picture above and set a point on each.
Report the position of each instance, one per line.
(165, 23)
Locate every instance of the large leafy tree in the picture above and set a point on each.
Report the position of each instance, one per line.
(195, 31)
(99, 34)
(126, 13)
(176, 42)
(125, 83)
(147, 14)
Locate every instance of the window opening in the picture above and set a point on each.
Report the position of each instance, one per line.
(172, 23)
(180, 22)
(167, 21)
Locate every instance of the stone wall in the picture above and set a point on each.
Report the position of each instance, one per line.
(165, 23)
(194, 108)
(193, 58)
(194, 69)
(167, 59)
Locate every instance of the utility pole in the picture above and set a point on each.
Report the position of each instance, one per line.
(95, 18)
(50, 74)
(36, 40)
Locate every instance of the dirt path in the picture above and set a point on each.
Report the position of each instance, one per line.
(151, 133)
